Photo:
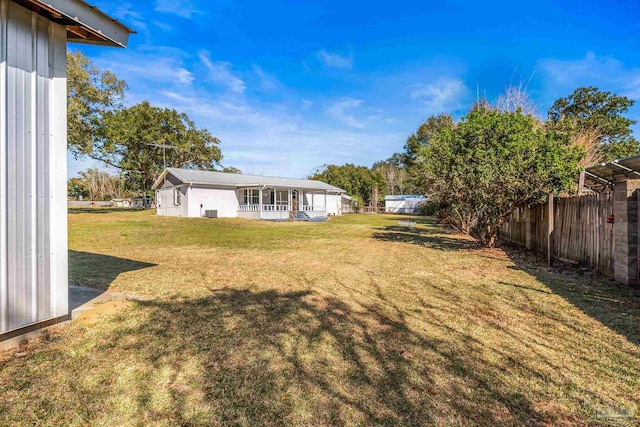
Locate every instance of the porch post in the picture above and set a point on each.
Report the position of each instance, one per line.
(326, 211)
(275, 199)
(260, 200)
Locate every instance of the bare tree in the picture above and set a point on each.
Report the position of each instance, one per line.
(103, 186)
(516, 97)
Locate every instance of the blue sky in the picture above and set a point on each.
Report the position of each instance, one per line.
(290, 85)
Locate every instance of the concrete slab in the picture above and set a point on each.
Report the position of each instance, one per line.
(81, 299)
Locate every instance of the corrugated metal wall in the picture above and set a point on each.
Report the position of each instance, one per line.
(33, 248)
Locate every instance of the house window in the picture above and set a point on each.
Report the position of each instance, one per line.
(251, 197)
(176, 197)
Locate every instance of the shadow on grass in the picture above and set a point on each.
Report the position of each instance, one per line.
(99, 271)
(613, 304)
(269, 358)
(100, 210)
(616, 306)
(426, 237)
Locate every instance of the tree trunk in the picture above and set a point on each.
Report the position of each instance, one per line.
(487, 235)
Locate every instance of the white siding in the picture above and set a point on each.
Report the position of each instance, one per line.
(394, 206)
(224, 200)
(334, 204)
(407, 205)
(165, 202)
(33, 216)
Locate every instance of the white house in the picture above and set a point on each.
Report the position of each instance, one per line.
(33, 153)
(195, 194)
(407, 204)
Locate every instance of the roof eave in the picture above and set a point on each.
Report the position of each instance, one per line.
(253, 184)
(160, 180)
(85, 23)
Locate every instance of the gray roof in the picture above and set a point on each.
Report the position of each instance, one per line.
(404, 196)
(190, 176)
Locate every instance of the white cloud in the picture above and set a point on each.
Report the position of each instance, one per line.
(149, 66)
(163, 26)
(126, 12)
(268, 82)
(344, 111)
(352, 113)
(220, 71)
(231, 112)
(441, 95)
(334, 60)
(183, 8)
(604, 72)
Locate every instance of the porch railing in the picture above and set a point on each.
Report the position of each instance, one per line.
(266, 208)
(248, 208)
(279, 208)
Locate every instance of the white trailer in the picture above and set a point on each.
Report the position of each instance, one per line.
(403, 204)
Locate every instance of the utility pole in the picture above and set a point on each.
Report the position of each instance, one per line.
(164, 151)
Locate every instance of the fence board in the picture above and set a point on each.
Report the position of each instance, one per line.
(581, 233)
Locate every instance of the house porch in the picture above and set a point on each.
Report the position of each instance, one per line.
(280, 203)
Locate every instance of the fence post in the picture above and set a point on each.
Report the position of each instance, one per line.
(528, 241)
(581, 184)
(550, 230)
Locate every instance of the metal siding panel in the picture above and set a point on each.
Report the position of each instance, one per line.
(19, 293)
(42, 167)
(19, 170)
(30, 176)
(57, 177)
(32, 52)
(4, 307)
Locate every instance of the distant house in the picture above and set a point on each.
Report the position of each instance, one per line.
(195, 193)
(407, 204)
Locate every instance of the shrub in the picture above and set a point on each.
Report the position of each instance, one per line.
(429, 208)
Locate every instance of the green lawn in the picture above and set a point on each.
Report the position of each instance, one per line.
(357, 321)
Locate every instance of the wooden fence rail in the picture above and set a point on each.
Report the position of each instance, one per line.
(581, 232)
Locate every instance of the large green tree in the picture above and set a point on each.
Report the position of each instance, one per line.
(140, 139)
(91, 93)
(492, 162)
(358, 181)
(414, 149)
(595, 120)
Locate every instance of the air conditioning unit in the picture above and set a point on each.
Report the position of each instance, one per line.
(211, 213)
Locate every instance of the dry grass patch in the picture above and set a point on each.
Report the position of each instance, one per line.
(352, 322)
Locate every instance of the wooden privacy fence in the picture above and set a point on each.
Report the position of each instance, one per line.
(579, 230)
